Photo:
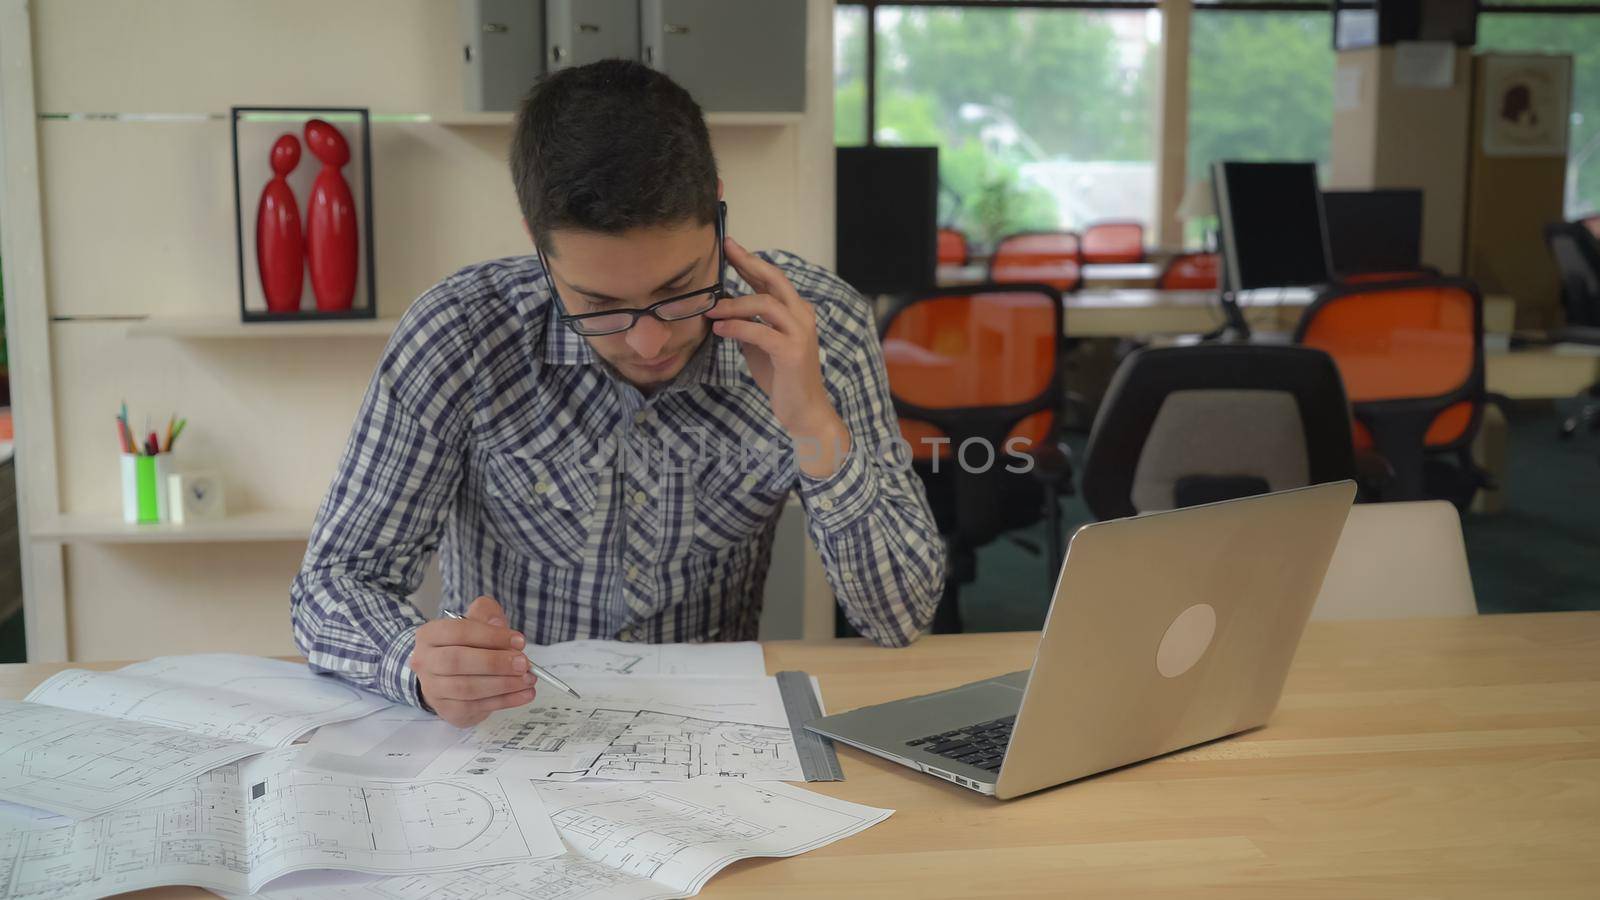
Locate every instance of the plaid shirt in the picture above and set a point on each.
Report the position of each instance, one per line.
(495, 435)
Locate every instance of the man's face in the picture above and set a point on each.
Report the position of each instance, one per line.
(603, 272)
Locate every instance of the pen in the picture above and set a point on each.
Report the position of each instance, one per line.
(544, 674)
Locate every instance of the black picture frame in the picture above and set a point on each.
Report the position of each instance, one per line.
(367, 262)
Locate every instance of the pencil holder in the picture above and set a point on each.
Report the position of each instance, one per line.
(144, 488)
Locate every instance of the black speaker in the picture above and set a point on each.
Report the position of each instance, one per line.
(1375, 22)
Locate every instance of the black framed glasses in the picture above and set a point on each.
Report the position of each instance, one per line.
(673, 309)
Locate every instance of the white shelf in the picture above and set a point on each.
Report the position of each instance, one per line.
(191, 328)
(283, 526)
(473, 119)
(715, 119)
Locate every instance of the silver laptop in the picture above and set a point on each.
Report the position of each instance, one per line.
(1166, 630)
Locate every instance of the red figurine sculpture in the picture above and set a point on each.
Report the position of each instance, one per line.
(331, 235)
(280, 250)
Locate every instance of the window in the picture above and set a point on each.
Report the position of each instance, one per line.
(1044, 118)
(1578, 36)
(850, 76)
(1260, 86)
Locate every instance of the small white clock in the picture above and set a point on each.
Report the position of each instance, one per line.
(195, 495)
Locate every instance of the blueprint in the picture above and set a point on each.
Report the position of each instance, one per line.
(666, 729)
(81, 764)
(240, 826)
(394, 743)
(639, 842)
(15, 815)
(266, 702)
(602, 658)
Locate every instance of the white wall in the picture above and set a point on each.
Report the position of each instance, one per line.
(138, 220)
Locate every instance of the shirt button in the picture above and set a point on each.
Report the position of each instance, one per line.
(825, 504)
(639, 417)
(639, 499)
(633, 573)
(542, 487)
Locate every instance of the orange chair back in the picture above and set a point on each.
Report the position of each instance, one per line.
(1406, 341)
(1113, 242)
(1376, 277)
(1054, 258)
(974, 361)
(953, 249)
(1191, 272)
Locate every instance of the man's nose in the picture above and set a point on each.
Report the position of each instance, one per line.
(648, 337)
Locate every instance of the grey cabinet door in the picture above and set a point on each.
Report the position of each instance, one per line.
(732, 55)
(503, 50)
(583, 31)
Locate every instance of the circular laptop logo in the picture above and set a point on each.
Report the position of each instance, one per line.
(1186, 640)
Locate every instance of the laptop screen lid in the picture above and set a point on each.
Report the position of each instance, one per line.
(1170, 629)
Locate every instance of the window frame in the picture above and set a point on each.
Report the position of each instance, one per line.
(1178, 144)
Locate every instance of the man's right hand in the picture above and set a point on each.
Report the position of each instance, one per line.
(471, 667)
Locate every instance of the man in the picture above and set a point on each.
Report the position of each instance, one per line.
(599, 438)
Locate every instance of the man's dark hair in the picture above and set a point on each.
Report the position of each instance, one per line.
(610, 146)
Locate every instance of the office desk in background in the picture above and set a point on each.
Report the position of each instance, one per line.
(1098, 276)
(1441, 757)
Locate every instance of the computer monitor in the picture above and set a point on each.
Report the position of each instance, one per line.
(886, 210)
(1368, 23)
(1374, 231)
(1273, 232)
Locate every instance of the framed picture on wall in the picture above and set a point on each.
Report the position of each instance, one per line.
(302, 202)
(1526, 105)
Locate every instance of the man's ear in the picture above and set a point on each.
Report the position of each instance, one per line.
(719, 187)
(528, 231)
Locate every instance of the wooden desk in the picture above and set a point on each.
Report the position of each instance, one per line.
(1099, 276)
(1120, 275)
(1136, 312)
(1145, 311)
(1447, 757)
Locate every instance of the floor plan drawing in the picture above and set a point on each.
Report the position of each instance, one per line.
(627, 731)
(679, 835)
(652, 746)
(642, 833)
(638, 842)
(240, 826)
(741, 659)
(566, 878)
(80, 764)
(267, 702)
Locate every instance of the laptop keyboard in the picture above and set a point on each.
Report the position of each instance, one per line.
(982, 745)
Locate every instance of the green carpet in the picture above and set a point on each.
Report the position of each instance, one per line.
(1541, 554)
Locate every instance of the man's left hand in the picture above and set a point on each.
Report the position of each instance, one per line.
(784, 359)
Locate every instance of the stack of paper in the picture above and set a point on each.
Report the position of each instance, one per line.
(238, 827)
(183, 770)
(638, 842)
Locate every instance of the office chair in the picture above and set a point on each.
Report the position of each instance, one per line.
(1113, 242)
(1190, 272)
(1416, 274)
(1592, 223)
(1181, 426)
(1577, 254)
(1398, 561)
(1411, 355)
(953, 248)
(1053, 258)
(981, 363)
